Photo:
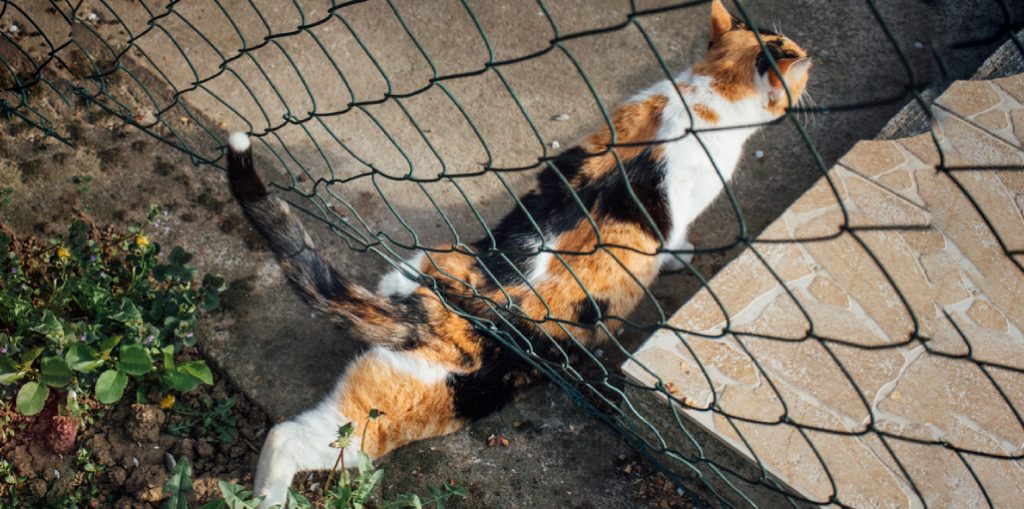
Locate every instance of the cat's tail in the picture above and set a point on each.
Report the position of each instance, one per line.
(375, 319)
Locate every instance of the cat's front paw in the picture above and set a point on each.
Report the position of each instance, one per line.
(673, 262)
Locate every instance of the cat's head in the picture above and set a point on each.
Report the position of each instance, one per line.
(741, 70)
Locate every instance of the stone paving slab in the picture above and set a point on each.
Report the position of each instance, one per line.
(879, 305)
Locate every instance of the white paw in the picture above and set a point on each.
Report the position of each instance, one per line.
(671, 262)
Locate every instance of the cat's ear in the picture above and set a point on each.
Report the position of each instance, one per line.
(721, 21)
(794, 69)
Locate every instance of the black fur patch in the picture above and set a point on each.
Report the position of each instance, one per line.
(551, 207)
(775, 48)
(588, 315)
(645, 177)
(504, 374)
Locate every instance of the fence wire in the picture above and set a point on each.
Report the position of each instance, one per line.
(149, 65)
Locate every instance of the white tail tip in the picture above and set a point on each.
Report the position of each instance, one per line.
(239, 142)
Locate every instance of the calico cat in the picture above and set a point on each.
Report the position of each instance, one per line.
(429, 369)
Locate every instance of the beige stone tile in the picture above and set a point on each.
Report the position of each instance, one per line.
(898, 181)
(828, 292)
(924, 241)
(943, 337)
(939, 475)
(849, 325)
(952, 400)
(821, 195)
(1013, 181)
(991, 270)
(873, 157)
(1013, 85)
(787, 260)
(828, 223)
(992, 346)
(997, 203)
(804, 372)
(1017, 119)
(1003, 480)
(953, 266)
(946, 276)
(701, 314)
(872, 205)
(863, 481)
(985, 315)
(679, 377)
(846, 261)
(781, 318)
(786, 453)
(975, 145)
(755, 402)
(969, 98)
(995, 120)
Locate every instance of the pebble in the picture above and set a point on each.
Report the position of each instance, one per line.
(92, 17)
(12, 28)
(555, 145)
(759, 154)
(919, 45)
(561, 117)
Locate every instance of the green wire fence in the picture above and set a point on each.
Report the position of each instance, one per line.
(352, 124)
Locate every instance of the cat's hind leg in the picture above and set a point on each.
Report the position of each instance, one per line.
(303, 443)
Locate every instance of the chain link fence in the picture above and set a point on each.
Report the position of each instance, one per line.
(348, 124)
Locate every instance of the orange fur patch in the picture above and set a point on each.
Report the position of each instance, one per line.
(705, 113)
(413, 409)
(611, 274)
(634, 123)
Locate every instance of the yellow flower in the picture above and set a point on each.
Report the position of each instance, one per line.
(63, 253)
(141, 241)
(167, 402)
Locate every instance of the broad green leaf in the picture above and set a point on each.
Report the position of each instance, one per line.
(179, 256)
(168, 357)
(402, 501)
(108, 345)
(179, 381)
(126, 312)
(83, 358)
(297, 501)
(214, 283)
(53, 371)
(211, 301)
(10, 372)
(198, 369)
(110, 386)
(237, 497)
(216, 504)
(48, 326)
(178, 485)
(135, 360)
(29, 356)
(31, 398)
(368, 484)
